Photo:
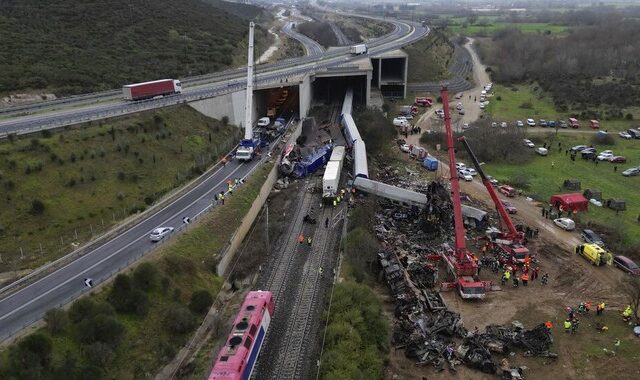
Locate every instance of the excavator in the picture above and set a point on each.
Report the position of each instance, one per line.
(460, 261)
(511, 241)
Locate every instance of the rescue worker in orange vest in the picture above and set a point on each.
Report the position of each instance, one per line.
(525, 279)
(548, 325)
(301, 238)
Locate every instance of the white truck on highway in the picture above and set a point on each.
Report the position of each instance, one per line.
(358, 49)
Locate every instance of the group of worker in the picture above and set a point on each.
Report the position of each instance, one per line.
(301, 239)
(572, 322)
(231, 185)
(342, 196)
(528, 274)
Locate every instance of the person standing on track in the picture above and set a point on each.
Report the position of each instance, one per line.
(301, 238)
(326, 223)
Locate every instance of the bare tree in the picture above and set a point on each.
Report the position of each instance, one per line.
(632, 291)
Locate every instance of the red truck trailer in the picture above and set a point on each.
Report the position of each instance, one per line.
(148, 90)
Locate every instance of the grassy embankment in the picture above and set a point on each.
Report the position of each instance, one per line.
(429, 59)
(85, 180)
(543, 181)
(150, 338)
(79, 47)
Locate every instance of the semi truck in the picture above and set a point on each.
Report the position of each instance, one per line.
(358, 49)
(147, 90)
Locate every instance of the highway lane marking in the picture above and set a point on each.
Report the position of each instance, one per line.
(104, 259)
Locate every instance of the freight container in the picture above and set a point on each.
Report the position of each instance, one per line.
(147, 90)
(331, 179)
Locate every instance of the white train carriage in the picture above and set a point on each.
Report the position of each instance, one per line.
(347, 104)
(351, 133)
(360, 168)
(393, 193)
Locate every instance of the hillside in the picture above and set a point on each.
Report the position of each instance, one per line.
(75, 47)
(84, 180)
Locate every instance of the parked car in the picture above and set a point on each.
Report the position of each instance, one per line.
(459, 106)
(482, 106)
(563, 124)
(565, 223)
(542, 123)
(460, 165)
(400, 121)
(531, 122)
(519, 123)
(507, 190)
(494, 125)
(588, 153)
(465, 175)
(551, 124)
(573, 123)
(528, 143)
(618, 160)
(492, 180)
(591, 237)
(503, 124)
(626, 264)
(625, 135)
(160, 233)
(459, 95)
(631, 172)
(541, 151)
(461, 112)
(594, 124)
(465, 126)
(471, 171)
(605, 156)
(511, 209)
(578, 148)
(404, 148)
(407, 116)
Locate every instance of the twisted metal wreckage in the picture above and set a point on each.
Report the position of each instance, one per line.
(424, 327)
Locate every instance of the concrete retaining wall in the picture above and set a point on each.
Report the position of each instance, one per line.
(242, 231)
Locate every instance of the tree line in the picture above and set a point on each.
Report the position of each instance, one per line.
(594, 65)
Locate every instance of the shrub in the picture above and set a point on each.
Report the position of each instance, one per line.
(520, 181)
(101, 328)
(87, 308)
(37, 207)
(145, 277)
(201, 300)
(99, 354)
(57, 321)
(125, 298)
(178, 319)
(526, 105)
(121, 176)
(31, 357)
(225, 120)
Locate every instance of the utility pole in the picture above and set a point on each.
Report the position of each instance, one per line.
(248, 116)
(267, 228)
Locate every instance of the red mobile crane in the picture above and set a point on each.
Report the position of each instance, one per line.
(509, 241)
(459, 261)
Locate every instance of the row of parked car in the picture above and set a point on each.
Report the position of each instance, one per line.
(590, 153)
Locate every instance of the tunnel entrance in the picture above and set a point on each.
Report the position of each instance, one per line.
(277, 102)
(327, 90)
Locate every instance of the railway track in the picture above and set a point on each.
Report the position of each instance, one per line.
(291, 359)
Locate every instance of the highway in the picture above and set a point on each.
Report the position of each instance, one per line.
(29, 304)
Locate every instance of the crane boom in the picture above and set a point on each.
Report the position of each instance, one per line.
(460, 244)
(513, 233)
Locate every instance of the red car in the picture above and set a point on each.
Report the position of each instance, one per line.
(507, 190)
(511, 209)
(618, 160)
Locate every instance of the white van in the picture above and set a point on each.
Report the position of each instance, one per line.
(263, 122)
(400, 121)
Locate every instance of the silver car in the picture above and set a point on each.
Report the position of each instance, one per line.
(160, 233)
(631, 172)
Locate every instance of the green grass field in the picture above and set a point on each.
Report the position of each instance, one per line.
(545, 180)
(510, 106)
(91, 177)
(526, 27)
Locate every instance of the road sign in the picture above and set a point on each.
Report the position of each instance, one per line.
(88, 282)
(186, 220)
